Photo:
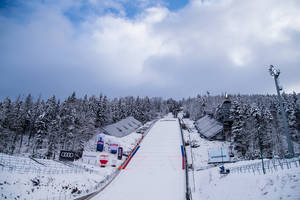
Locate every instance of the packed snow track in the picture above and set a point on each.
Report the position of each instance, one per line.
(155, 172)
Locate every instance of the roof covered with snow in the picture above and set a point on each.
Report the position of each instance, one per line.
(208, 126)
(123, 127)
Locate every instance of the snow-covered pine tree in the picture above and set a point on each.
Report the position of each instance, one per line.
(98, 109)
(37, 110)
(6, 120)
(18, 120)
(121, 109)
(129, 106)
(296, 102)
(27, 109)
(291, 109)
(262, 130)
(53, 138)
(41, 131)
(239, 138)
(267, 133)
(67, 116)
(137, 113)
(256, 130)
(102, 109)
(52, 121)
(92, 107)
(143, 109)
(88, 118)
(277, 129)
(157, 105)
(114, 110)
(1, 118)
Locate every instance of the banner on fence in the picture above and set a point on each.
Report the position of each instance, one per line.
(218, 156)
(182, 155)
(90, 157)
(66, 155)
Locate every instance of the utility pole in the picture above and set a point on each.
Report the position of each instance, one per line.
(275, 73)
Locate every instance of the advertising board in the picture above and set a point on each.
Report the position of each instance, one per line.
(113, 147)
(120, 153)
(66, 155)
(218, 155)
(90, 157)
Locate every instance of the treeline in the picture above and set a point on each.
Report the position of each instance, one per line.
(44, 127)
(256, 121)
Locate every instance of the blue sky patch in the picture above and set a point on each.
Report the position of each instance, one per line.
(176, 5)
(83, 9)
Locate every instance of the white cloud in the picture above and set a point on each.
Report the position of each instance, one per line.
(240, 56)
(124, 45)
(216, 44)
(295, 87)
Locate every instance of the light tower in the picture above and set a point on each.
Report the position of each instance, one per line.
(275, 73)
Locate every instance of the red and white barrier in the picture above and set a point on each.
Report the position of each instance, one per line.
(133, 151)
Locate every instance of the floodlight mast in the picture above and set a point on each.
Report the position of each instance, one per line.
(275, 73)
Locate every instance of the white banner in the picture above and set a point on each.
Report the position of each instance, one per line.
(90, 157)
(218, 155)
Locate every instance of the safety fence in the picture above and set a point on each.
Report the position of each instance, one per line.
(22, 165)
(188, 189)
(272, 165)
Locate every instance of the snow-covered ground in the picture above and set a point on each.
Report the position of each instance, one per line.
(43, 186)
(155, 172)
(207, 183)
(283, 184)
(23, 178)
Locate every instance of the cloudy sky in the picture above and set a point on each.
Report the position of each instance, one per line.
(168, 48)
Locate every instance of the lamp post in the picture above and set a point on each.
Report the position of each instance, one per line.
(275, 73)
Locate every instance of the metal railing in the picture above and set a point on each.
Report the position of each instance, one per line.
(14, 164)
(271, 166)
(188, 189)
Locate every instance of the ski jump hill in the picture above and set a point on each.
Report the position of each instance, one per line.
(155, 172)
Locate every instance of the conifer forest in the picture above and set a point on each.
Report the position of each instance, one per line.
(43, 127)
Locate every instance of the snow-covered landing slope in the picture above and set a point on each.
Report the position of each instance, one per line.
(155, 171)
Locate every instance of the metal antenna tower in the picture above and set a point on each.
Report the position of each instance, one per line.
(275, 73)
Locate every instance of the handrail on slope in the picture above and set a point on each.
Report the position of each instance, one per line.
(188, 189)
